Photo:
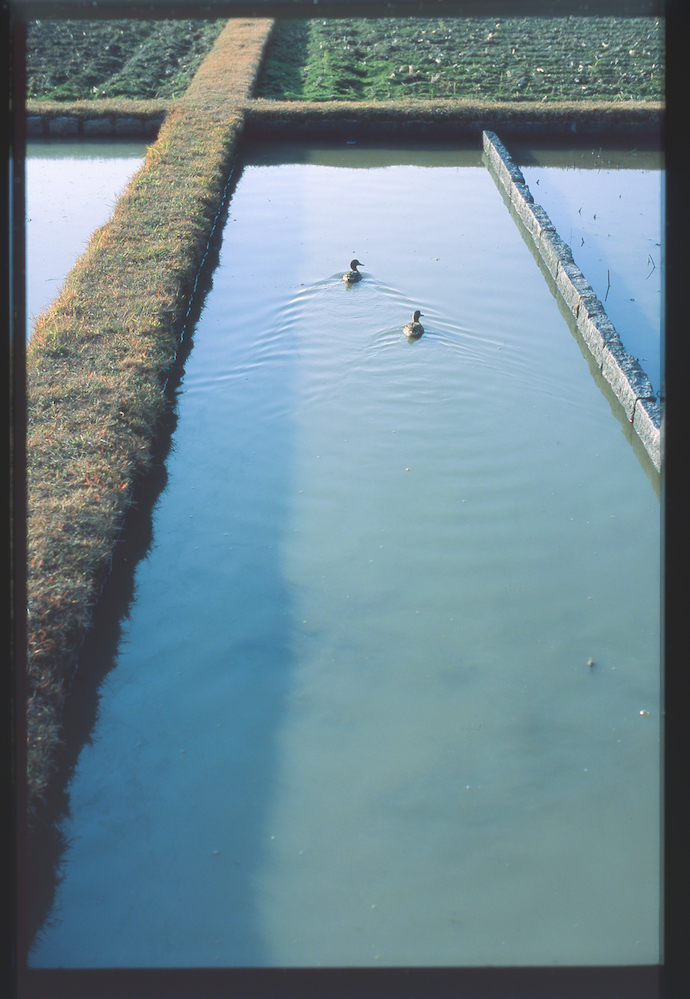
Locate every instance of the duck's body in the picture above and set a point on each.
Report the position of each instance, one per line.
(415, 328)
(353, 275)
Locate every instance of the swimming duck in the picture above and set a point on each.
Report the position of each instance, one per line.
(353, 274)
(414, 328)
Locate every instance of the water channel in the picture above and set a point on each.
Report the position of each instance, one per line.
(71, 189)
(352, 720)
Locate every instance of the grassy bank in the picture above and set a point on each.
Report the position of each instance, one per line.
(453, 118)
(96, 367)
(502, 59)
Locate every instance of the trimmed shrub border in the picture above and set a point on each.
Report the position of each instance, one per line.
(99, 356)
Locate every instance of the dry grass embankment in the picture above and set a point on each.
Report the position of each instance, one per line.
(368, 117)
(96, 368)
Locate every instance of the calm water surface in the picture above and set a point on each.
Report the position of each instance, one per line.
(352, 720)
(609, 207)
(71, 190)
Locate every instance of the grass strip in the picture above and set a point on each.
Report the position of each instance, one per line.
(96, 369)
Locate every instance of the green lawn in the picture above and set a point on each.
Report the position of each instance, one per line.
(82, 60)
(507, 59)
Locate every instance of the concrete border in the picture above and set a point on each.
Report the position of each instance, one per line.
(453, 121)
(85, 119)
(435, 118)
(630, 384)
(118, 126)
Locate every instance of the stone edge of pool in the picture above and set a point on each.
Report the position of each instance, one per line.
(414, 117)
(630, 384)
(105, 122)
(147, 334)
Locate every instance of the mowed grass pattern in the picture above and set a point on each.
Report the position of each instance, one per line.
(503, 59)
(96, 60)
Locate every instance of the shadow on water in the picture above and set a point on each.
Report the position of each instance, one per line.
(204, 653)
(97, 657)
(49, 842)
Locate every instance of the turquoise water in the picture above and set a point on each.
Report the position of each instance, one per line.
(352, 721)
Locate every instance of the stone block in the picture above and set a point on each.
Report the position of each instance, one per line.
(99, 126)
(554, 251)
(595, 326)
(63, 126)
(647, 424)
(521, 198)
(492, 158)
(573, 286)
(491, 142)
(129, 127)
(497, 154)
(534, 219)
(34, 126)
(625, 376)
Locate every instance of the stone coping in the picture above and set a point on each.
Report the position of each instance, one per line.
(72, 122)
(623, 372)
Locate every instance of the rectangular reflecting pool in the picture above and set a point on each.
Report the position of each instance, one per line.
(389, 692)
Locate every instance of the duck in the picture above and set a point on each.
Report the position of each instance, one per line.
(353, 274)
(415, 328)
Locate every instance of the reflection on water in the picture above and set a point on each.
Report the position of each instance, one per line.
(353, 720)
(71, 189)
(609, 208)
